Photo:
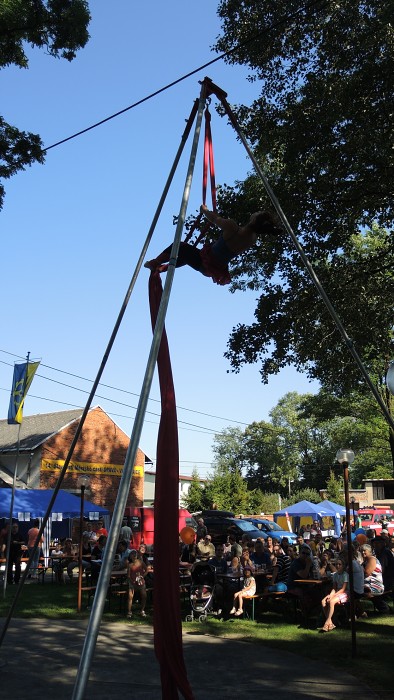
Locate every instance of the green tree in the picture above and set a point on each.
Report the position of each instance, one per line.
(353, 420)
(194, 498)
(228, 491)
(335, 488)
(305, 494)
(59, 27)
(325, 73)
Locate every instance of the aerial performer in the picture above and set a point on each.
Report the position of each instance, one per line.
(212, 260)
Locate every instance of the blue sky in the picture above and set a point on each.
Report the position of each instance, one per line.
(72, 229)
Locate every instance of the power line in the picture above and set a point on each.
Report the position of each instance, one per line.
(125, 391)
(274, 25)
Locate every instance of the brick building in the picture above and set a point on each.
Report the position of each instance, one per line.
(44, 443)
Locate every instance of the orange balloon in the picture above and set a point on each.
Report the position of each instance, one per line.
(187, 535)
(361, 539)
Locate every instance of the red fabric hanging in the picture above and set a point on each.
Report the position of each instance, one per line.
(167, 610)
(208, 161)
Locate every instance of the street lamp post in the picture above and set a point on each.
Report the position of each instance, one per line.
(83, 483)
(352, 500)
(346, 457)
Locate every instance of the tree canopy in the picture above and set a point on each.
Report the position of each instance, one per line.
(58, 26)
(321, 127)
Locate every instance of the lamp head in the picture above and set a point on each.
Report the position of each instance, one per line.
(83, 480)
(345, 455)
(390, 377)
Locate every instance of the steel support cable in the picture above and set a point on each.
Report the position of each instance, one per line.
(311, 272)
(124, 486)
(62, 474)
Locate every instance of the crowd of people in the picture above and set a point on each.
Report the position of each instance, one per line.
(242, 568)
(269, 566)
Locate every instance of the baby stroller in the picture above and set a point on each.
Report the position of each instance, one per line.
(201, 591)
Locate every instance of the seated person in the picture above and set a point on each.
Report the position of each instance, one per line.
(219, 561)
(188, 553)
(302, 568)
(338, 594)
(89, 532)
(97, 557)
(235, 547)
(231, 582)
(260, 557)
(280, 572)
(248, 590)
(205, 548)
(373, 577)
(86, 552)
(67, 557)
(122, 556)
(246, 560)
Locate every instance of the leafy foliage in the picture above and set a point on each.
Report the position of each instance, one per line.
(194, 498)
(306, 494)
(321, 129)
(335, 488)
(58, 26)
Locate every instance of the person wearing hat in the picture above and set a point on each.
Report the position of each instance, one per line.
(205, 548)
(248, 590)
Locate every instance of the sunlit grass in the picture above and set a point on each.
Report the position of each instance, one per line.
(278, 630)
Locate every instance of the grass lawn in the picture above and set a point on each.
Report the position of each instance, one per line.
(375, 634)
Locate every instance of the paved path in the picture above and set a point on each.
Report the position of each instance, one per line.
(39, 660)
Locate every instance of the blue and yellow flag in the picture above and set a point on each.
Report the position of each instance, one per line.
(23, 377)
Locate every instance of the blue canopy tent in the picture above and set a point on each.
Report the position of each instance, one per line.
(337, 511)
(33, 503)
(304, 509)
(36, 501)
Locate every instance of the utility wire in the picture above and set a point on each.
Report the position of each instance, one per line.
(274, 25)
(108, 386)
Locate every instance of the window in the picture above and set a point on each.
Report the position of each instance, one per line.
(378, 493)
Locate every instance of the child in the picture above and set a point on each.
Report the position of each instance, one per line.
(248, 590)
(338, 594)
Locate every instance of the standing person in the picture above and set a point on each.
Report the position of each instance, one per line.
(15, 555)
(338, 594)
(201, 530)
(126, 532)
(315, 529)
(136, 572)
(32, 535)
(249, 589)
(101, 529)
(213, 259)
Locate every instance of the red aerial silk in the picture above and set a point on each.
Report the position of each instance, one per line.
(167, 610)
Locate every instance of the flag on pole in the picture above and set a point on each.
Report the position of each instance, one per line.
(23, 377)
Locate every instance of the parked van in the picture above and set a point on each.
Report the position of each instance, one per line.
(142, 523)
(372, 519)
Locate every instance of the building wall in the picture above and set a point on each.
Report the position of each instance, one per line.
(100, 452)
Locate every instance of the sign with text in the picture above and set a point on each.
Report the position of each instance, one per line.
(53, 465)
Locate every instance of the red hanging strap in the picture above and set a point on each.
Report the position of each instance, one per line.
(166, 610)
(208, 162)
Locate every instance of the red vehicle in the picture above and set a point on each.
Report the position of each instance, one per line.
(372, 519)
(142, 523)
